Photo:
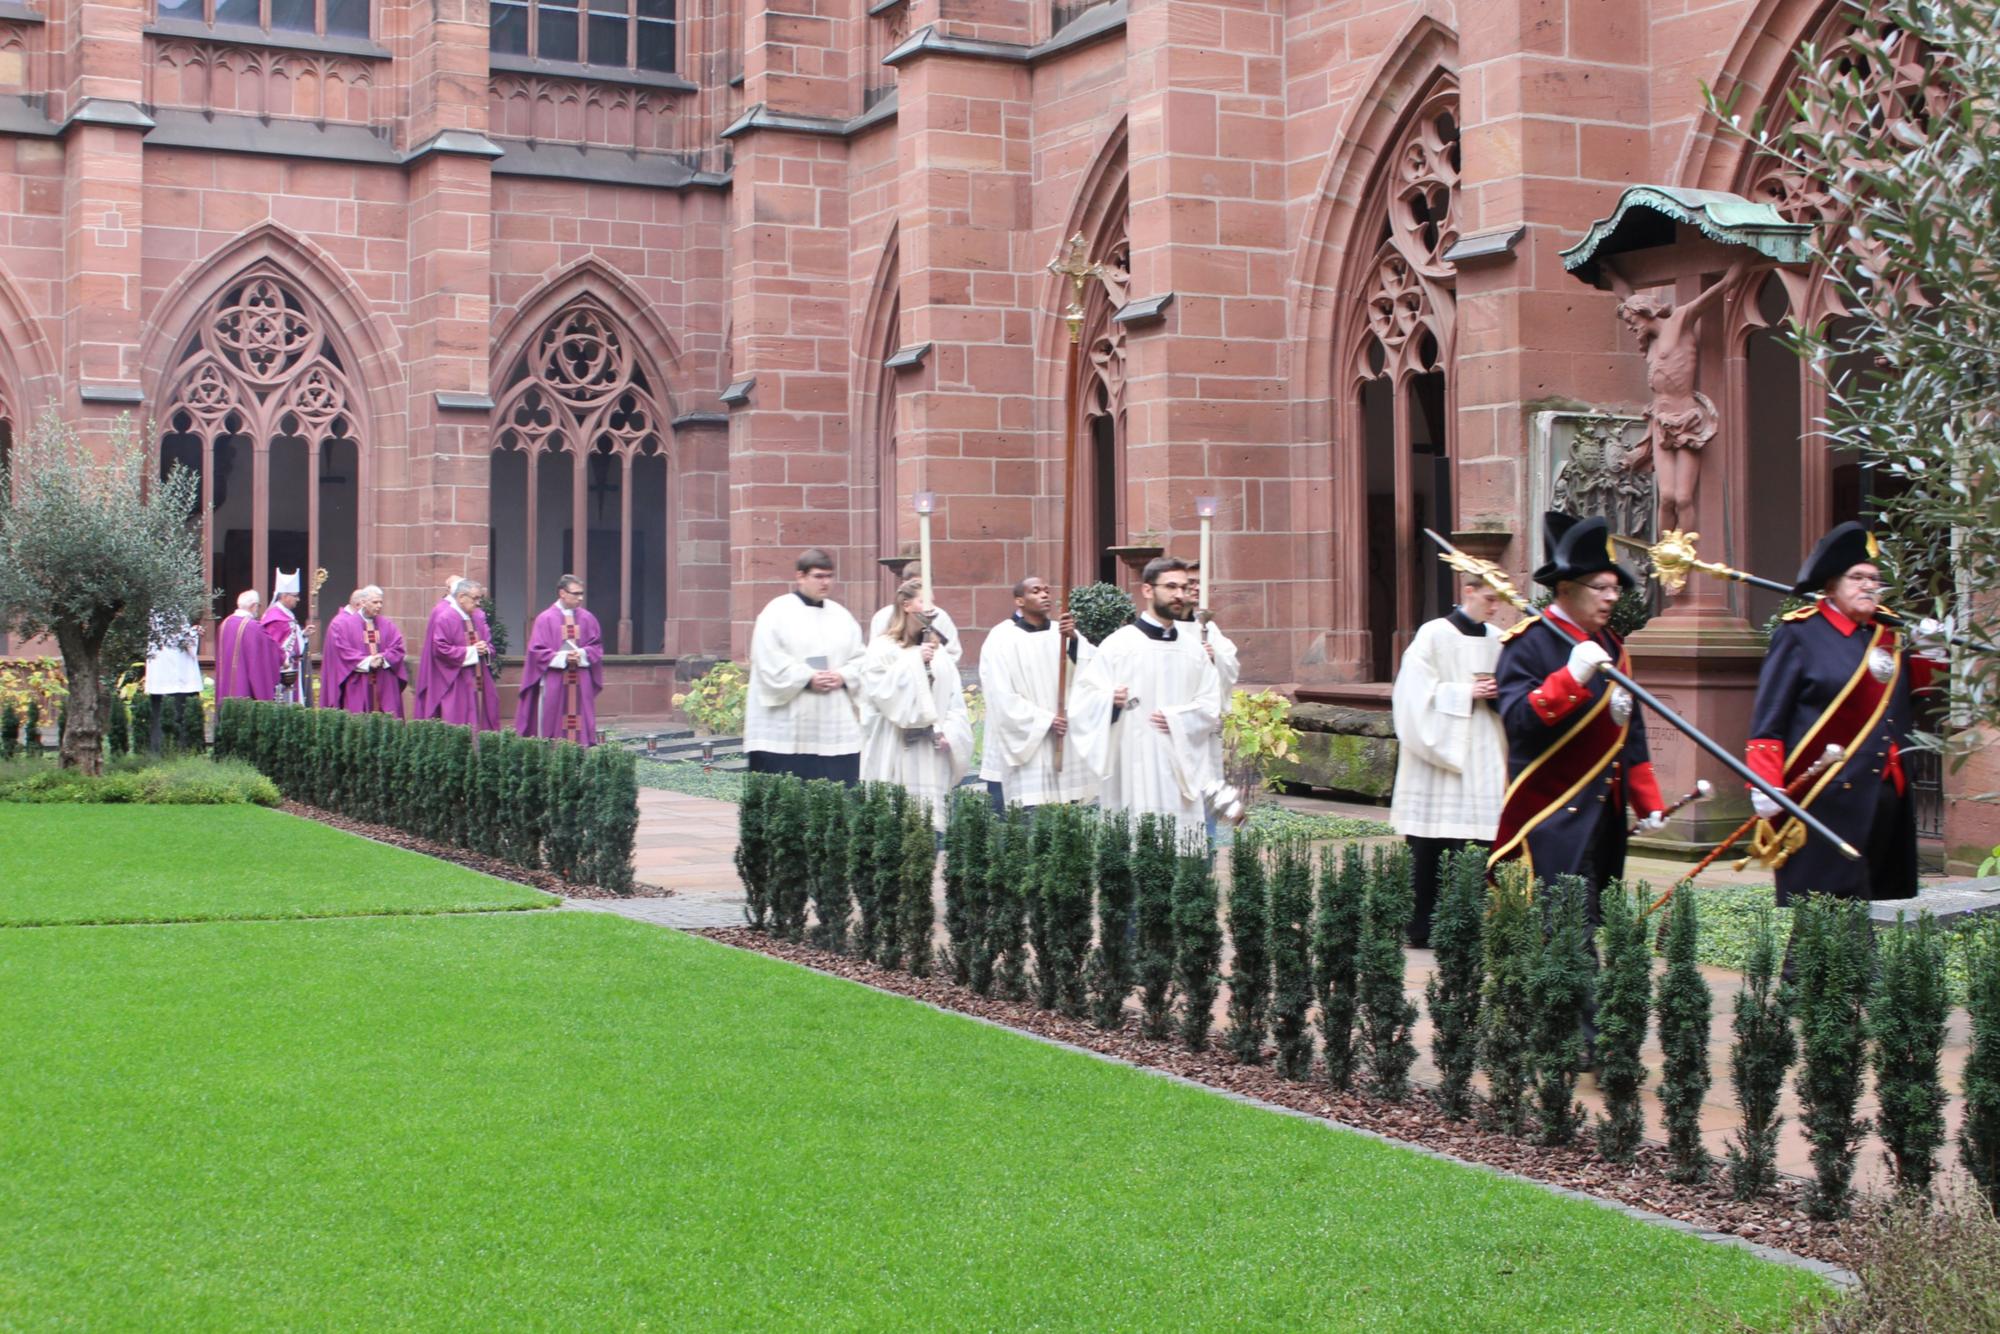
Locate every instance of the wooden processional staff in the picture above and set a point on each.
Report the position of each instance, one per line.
(1073, 263)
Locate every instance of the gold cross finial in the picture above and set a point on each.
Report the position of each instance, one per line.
(1073, 262)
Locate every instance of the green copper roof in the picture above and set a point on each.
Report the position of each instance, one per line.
(1646, 213)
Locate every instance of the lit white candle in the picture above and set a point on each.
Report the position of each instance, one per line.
(926, 501)
(1205, 506)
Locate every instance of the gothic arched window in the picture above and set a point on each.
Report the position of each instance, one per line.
(1400, 349)
(260, 404)
(1097, 507)
(579, 446)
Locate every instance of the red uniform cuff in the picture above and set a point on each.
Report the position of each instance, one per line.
(1643, 789)
(1554, 699)
(1766, 758)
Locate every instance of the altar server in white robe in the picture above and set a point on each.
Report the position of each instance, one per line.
(1221, 650)
(942, 626)
(1147, 706)
(1017, 675)
(805, 675)
(917, 733)
(1451, 769)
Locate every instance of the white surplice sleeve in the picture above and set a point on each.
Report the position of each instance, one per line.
(1430, 712)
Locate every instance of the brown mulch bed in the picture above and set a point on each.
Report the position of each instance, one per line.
(1776, 1220)
(546, 881)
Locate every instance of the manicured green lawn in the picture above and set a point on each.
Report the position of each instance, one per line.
(84, 864)
(575, 1121)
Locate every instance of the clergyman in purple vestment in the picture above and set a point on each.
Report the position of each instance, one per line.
(292, 640)
(564, 671)
(457, 679)
(246, 661)
(364, 669)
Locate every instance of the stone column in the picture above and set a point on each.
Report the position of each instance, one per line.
(1207, 413)
(431, 486)
(100, 46)
(788, 456)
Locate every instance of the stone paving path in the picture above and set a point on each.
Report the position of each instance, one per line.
(688, 844)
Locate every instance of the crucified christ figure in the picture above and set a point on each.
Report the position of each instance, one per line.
(1680, 418)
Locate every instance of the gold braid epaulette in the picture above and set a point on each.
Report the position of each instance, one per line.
(1517, 628)
(1801, 613)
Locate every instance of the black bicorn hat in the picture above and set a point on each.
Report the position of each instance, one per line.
(1848, 545)
(1576, 549)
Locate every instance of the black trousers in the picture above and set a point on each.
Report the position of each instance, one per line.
(1427, 872)
(836, 768)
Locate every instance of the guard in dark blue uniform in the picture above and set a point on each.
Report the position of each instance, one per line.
(1576, 744)
(1838, 676)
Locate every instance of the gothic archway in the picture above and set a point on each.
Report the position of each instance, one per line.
(580, 448)
(1399, 334)
(261, 404)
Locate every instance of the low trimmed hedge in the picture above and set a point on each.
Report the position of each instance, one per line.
(532, 803)
(186, 782)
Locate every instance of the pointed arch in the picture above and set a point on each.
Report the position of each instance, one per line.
(1758, 66)
(27, 366)
(582, 432)
(1338, 244)
(1093, 387)
(264, 392)
(873, 421)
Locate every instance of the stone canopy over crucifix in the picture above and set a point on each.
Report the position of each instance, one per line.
(1660, 235)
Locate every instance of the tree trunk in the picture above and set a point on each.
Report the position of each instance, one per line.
(83, 738)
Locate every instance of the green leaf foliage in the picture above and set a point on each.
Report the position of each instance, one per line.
(1099, 610)
(1624, 1005)
(1561, 985)
(1505, 1015)
(916, 914)
(1008, 889)
(1979, 1135)
(1291, 928)
(1906, 1018)
(865, 804)
(1197, 939)
(1065, 882)
(832, 808)
(884, 941)
(791, 851)
(1832, 962)
(1682, 1007)
(1250, 941)
(1336, 951)
(1153, 874)
(968, 841)
(1111, 963)
(1452, 994)
(1762, 1053)
(1386, 1013)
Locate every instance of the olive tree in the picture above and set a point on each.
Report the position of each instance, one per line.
(1893, 131)
(90, 548)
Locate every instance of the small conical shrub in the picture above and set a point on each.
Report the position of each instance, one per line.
(1387, 1014)
(968, 835)
(1979, 1135)
(1682, 1007)
(1111, 965)
(1066, 896)
(1624, 1005)
(1249, 938)
(1763, 1051)
(1561, 984)
(791, 851)
(188, 723)
(864, 811)
(1197, 940)
(832, 893)
(1042, 838)
(885, 941)
(118, 740)
(1008, 887)
(753, 851)
(1291, 958)
(916, 909)
(31, 730)
(1153, 873)
(1452, 994)
(1505, 1015)
(1906, 1018)
(1832, 963)
(10, 731)
(1336, 949)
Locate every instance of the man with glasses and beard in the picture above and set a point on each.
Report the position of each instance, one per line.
(1148, 705)
(1838, 676)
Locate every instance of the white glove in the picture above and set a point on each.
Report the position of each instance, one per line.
(1932, 637)
(1764, 807)
(1657, 820)
(1584, 660)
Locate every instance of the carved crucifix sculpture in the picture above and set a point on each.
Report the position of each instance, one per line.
(1680, 419)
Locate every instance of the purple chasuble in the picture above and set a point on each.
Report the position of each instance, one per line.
(556, 702)
(246, 664)
(342, 686)
(282, 628)
(448, 688)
